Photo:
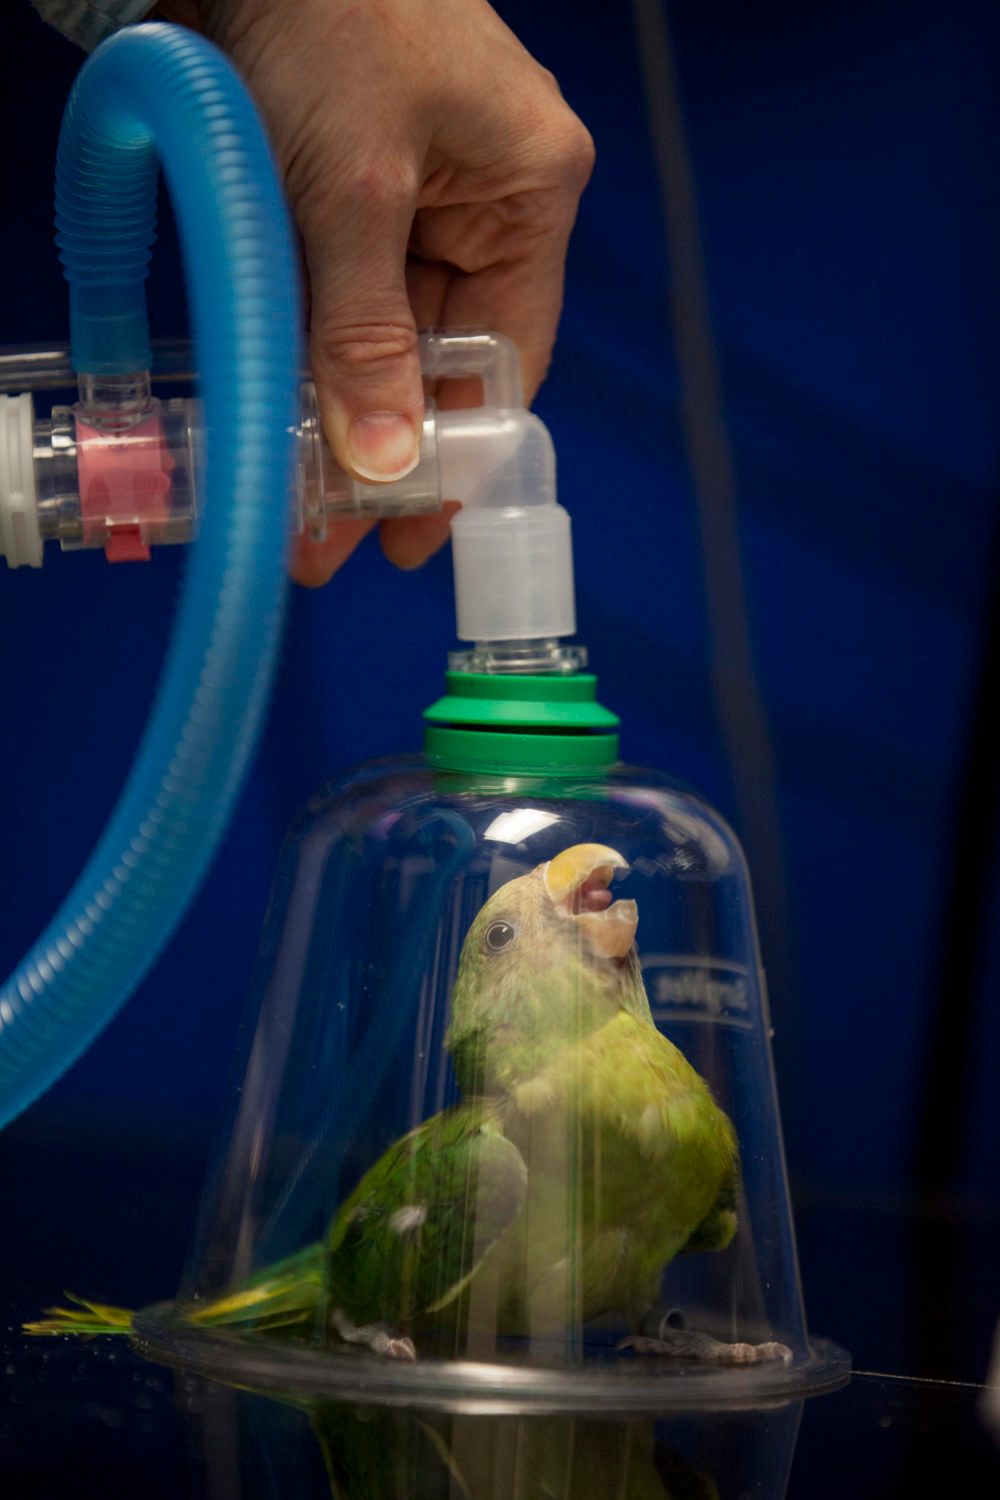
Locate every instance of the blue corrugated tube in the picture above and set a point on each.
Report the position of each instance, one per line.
(161, 93)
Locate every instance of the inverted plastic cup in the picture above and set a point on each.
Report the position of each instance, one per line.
(593, 1212)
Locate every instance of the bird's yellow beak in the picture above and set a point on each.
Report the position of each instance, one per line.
(577, 880)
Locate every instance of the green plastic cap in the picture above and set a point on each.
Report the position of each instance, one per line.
(512, 723)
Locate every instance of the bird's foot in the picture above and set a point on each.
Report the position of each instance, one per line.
(702, 1348)
(378, 1337)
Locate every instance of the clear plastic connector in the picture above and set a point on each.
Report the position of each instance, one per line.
(325, 492)
(123, 481)
(120, 469)
(122, 448)
(543, 658)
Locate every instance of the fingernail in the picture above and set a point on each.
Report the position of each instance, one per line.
(383, 445)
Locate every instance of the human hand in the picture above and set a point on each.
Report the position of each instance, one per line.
(434, 171)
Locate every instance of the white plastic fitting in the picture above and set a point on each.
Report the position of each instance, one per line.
(20, 534)
(511, 544)
(511, 541)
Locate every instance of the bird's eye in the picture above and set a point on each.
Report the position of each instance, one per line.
(499, 935)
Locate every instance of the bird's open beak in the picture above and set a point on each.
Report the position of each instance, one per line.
(577, 880)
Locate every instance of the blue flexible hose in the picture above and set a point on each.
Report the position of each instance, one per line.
(160, 92)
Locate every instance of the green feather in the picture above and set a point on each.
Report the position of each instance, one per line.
(421, 1222)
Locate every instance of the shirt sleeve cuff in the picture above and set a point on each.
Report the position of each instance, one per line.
(88, 22)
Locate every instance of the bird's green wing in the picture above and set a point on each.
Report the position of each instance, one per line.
(720, 1223)
(420, 1223)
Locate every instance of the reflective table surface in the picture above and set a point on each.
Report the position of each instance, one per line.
(101, 1420)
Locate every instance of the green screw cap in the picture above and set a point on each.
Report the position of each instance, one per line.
(509, 724)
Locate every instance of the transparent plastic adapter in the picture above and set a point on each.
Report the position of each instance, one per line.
(120, 470)
(505, 1129)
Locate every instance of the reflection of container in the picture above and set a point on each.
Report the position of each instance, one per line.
(359, 1452)
(378, 886)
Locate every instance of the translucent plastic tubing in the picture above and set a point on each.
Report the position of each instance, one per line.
(159, 92)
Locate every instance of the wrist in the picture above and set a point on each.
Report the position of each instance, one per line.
(231, 24)
(181, 12)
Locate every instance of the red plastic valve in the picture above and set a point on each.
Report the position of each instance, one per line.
(124, 486)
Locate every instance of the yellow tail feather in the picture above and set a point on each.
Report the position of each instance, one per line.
(84, 1317)
(281, 1296)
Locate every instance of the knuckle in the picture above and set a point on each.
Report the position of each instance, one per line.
(334, 187)
(364, 346)
(549, 79)
(381, 189)
(563, 146)
(576, 152)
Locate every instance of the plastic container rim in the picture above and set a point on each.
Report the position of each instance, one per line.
(624, 1387)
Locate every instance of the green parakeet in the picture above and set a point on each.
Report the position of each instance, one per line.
(584, 1155)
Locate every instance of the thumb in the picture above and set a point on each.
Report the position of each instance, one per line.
(363, 336)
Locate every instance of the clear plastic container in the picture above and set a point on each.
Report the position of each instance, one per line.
(505, 1125)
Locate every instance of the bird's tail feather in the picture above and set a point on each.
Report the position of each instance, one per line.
(278, 1297)
(83, 1318)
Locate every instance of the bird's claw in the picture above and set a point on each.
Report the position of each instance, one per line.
(377, 1337)
(701, 1348)
(773, 1350)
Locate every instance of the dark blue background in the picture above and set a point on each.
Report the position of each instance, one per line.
(845, 159)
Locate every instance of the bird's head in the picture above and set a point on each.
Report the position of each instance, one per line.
(549, 958)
